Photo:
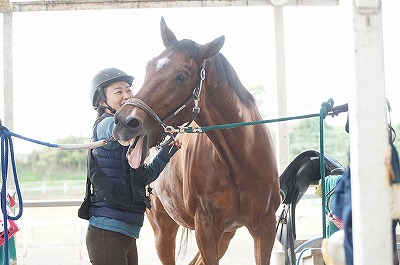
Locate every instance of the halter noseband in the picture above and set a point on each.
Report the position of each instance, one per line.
(195, 97)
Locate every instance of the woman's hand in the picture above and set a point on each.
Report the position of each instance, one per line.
(177, 143)
(175, 146)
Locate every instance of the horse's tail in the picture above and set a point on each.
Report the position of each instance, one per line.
(184, 241)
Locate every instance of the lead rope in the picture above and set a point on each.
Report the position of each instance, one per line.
(69, 147)
(6, 150)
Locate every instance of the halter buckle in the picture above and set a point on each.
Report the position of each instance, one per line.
(203, 73)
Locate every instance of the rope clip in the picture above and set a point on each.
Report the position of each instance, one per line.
(170, 129)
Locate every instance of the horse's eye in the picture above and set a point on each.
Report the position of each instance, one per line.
(181, 78)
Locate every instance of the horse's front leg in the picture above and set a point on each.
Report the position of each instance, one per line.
(207, 238)
(263, 233)
(222, 248)
(165, 231)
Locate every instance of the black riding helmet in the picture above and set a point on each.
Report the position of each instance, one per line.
(102, 80)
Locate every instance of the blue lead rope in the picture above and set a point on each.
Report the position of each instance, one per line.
(9, 134)
(6, 149)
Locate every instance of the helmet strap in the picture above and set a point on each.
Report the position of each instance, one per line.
(112, 110)
(103, 98)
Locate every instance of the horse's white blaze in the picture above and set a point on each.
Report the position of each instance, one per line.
(133, 113)
(161, 62)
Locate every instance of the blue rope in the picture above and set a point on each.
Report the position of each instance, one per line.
(307, 243)
(301, 254)
(6, 147)
(31, 140)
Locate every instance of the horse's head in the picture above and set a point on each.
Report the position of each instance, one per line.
(168, 96)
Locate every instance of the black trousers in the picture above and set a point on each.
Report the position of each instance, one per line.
(110, 248)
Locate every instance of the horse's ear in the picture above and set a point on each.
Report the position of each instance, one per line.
(212, 48)
(167, 35)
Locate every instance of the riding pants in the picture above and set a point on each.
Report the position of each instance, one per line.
(110, 248)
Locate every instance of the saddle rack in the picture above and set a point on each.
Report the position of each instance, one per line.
(302, 172)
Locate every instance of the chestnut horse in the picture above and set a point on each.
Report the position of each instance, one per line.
(220, 180)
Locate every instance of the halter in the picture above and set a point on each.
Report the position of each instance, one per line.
(168, 130)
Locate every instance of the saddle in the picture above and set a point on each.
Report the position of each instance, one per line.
(302, 172)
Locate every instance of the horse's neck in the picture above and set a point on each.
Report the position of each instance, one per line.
(218, 109)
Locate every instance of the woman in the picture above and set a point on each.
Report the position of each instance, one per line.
(118, 200)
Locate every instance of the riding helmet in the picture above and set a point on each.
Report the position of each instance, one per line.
(103, 79)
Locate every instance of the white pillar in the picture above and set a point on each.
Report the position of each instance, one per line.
(8, 87)
(282, 137)
(8, 71)
(369, 141)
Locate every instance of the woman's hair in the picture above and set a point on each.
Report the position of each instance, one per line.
(100, 111)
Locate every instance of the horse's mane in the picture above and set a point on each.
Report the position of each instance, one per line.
(223, 69)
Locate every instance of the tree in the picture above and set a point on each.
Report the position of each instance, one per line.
(51, 164)
(305, 135)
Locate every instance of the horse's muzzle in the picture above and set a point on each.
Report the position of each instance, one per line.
(127, 128)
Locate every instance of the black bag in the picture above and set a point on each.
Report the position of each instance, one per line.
(83, 211)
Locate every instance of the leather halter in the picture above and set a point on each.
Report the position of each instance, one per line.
(195, 97)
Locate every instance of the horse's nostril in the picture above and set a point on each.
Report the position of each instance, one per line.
(133, 123)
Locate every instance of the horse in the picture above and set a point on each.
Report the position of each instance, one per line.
(220, 180)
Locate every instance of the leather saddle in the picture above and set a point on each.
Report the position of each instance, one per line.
(302, 172)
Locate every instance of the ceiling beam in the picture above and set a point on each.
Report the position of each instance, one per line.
(5, 6)
(59, 5)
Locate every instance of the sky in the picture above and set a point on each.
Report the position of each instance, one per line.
(56, 54)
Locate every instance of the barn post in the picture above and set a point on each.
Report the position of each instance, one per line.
(8, 71)
(282, 141)
(8, 83)
(282, 138)
(372, 242)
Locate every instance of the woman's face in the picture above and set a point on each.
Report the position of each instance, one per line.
(117, 94)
